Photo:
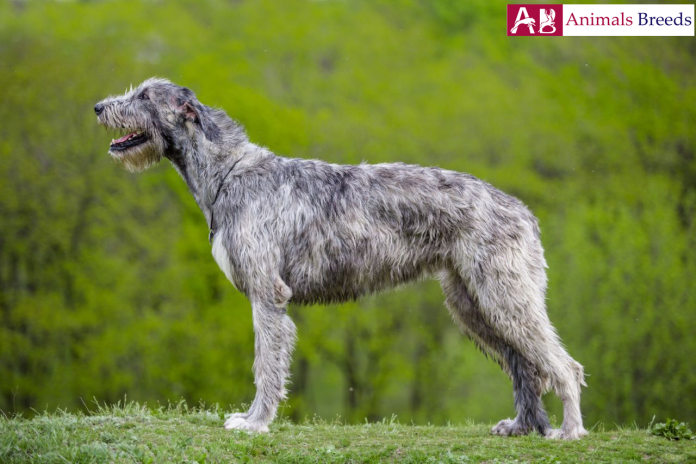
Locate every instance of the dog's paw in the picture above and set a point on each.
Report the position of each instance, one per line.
(502, 427)
(507, 427)
(240, 421)
(561, 434)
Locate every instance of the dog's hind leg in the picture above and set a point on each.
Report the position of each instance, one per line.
(508, 286)
(274, 341)
(527, 384)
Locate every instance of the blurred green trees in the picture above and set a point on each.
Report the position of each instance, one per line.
(107, 286)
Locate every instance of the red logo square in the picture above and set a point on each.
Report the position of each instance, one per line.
(534, 20)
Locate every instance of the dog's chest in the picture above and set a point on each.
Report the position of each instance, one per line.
(222, 258)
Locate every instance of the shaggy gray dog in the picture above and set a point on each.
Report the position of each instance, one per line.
(305, 231)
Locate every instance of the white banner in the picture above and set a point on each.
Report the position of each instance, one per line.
(628, 20)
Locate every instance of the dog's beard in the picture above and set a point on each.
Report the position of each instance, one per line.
(139, 158)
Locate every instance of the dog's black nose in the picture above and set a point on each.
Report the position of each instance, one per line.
(98, 108)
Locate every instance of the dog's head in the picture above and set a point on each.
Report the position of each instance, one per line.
(156, 119)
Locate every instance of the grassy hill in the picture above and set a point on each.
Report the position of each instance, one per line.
(134, 433)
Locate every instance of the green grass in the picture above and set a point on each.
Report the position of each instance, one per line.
(134, 433)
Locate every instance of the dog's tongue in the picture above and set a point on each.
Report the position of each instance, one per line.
(125, 137)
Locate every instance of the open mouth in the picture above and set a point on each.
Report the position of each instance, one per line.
(128, 141)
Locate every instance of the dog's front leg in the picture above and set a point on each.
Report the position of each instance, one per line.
(275, 339)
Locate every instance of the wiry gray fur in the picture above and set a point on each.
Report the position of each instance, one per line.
(305, 231)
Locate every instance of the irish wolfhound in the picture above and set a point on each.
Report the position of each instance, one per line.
(305, 231)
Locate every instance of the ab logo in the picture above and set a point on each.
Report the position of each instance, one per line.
(528, 20)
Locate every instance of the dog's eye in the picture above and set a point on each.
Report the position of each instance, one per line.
(143, 96)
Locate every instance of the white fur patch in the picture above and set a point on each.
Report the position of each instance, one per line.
(222, 258)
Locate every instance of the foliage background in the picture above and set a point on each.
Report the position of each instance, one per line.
(107, 286)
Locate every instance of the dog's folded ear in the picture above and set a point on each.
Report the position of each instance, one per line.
(189, 112)
(198, 113)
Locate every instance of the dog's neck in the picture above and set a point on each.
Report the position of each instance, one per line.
(202, 164)
(207, 165)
